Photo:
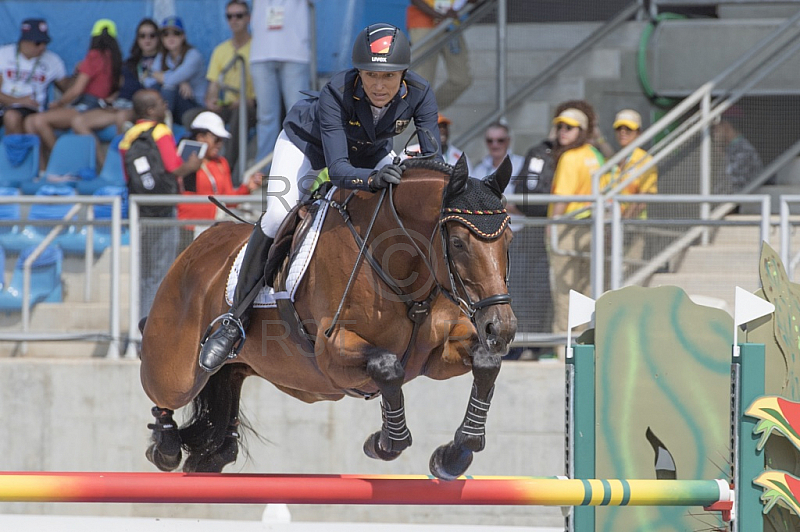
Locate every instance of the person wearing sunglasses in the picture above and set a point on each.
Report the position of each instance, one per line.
(224, 77)
(349, 130)
(576, 159)
(146, 46)
(27, 69)
(179, 71)
(498, 144)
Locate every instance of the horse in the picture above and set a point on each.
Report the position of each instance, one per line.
(427, 257)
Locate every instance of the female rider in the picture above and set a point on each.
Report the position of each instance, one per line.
(348, 128)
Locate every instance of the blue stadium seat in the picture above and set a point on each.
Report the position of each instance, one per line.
(12, 237)
(13, 175)
(102, 233)
(45, 280)
(106, 134)
(112, 173)
(72, 155)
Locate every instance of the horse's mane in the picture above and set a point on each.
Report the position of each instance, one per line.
(426, 163)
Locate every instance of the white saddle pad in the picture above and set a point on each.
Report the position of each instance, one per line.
(267, 296)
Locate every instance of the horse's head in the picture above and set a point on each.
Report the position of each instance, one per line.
(475, 234)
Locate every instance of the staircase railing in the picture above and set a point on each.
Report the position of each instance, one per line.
(769, 53)
(547, 75)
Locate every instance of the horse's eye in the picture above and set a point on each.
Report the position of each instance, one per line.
(456, 243)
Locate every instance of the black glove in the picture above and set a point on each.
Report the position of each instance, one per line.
(389, 174)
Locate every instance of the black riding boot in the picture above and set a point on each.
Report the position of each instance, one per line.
(219, 347)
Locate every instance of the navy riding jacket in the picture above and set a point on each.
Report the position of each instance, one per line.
(336, 128)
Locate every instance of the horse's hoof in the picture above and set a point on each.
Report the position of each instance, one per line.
(448, 463)
(164, 462)
(215, 462)
(372, 448)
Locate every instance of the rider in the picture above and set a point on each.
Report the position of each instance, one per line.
(348, 128)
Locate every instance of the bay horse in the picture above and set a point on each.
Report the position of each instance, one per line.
(408, 282)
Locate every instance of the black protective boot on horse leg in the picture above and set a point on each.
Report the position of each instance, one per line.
(450, 461)
(229, 338)
(165, 451)
(394, 436)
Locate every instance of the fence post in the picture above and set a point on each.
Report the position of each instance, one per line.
(580, 430)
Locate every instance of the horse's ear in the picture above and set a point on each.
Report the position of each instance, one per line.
(500, 178)
(459, 178)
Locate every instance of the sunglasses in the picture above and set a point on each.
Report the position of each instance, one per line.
(40, 43)
(147, 35)
(239, 16)
(565, 127)
(626, 129)
(502, 140)
(172, 33)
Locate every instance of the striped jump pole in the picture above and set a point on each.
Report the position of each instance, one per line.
(354, 489)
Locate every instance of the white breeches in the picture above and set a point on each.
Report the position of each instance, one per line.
(291, 176)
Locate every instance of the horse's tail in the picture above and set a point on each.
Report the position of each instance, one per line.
(210, 437)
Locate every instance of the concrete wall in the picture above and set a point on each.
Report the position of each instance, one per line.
(91, 415)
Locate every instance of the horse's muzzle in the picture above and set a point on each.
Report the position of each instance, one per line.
(496, 327)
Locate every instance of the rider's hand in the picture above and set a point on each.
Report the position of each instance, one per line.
(388, 175)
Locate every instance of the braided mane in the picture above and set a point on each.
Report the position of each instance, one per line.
(428, 164)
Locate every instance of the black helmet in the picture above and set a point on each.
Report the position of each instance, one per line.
(381, 48)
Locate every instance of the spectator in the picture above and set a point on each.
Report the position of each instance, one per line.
(178, 72)
(279, 63)
(135, 70)
(225, 69)
(576, 160)
(422, 16)
(159, 243)
(450, 153)
(96, 82)
(627, 127)
(741, 160)
(27, 69)
(498, 144)
(213, 177)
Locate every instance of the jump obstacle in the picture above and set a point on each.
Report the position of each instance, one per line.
(739, 504)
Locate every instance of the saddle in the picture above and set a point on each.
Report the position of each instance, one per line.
(288, 239)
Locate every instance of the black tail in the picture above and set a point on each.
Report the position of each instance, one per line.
(214, 411)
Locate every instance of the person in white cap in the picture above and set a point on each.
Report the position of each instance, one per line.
(213, 177)
(576, 161)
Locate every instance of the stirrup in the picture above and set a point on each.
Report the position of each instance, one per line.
(228, 316)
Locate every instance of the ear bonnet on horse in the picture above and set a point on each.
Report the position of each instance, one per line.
(479, 206)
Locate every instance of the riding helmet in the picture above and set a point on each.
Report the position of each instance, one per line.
(381, 48)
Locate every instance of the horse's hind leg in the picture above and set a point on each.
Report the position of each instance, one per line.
(212, 436)
(452, 460)
(394, 436)
(165, 450)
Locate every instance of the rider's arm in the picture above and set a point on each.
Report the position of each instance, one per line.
(335, 147)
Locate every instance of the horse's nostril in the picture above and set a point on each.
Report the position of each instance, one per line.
(491, 330)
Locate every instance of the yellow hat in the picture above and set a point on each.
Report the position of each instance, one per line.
(628, 118)
(572, 117)
(104, 24)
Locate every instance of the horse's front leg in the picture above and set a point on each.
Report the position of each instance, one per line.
(394, 437)
(452, 460)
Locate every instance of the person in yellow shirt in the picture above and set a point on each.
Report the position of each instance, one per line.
(569, 248)
(627, 127)
(223, 69)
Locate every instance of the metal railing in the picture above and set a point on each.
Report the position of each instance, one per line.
(767, 55)
(79, 203)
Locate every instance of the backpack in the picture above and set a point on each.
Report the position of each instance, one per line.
(537, 177)
(147, 175)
